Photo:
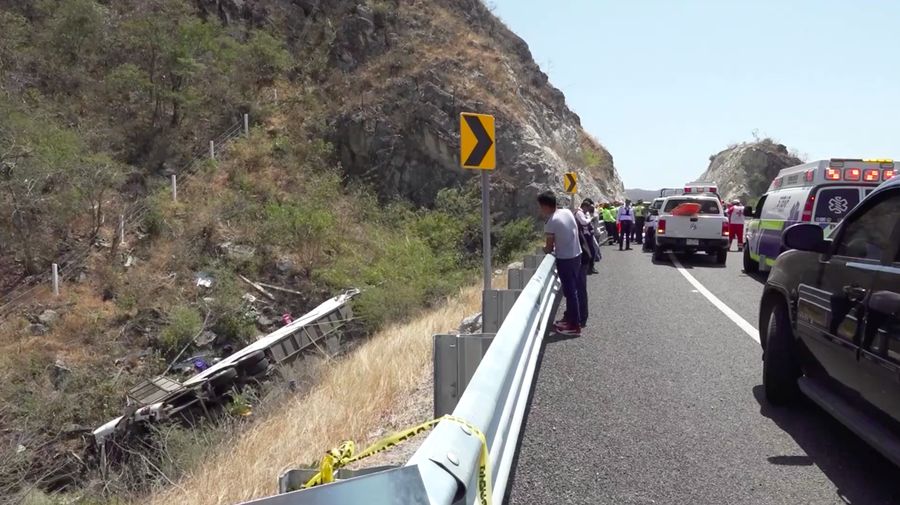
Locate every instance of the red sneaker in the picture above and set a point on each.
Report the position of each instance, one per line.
(567, 329)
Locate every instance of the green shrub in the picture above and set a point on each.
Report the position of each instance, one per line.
(184, 324)
(515, 237)
(295, 223)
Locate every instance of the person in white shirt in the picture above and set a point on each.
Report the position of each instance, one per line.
(625, 218)
(736, 221)
(563, 240)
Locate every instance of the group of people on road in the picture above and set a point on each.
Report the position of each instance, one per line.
(572, 238)
(625, 222)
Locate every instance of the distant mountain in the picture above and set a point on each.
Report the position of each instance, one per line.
(641, 194)
(744, 171)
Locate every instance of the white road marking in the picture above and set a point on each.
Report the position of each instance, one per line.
(719, 304)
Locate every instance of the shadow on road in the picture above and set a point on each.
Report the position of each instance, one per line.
(862, 476)
(690, 261)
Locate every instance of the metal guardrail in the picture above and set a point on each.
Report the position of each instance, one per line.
(444, 470)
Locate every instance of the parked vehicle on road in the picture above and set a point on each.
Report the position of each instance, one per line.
(688, 224)
(830, 319)
(650, 224)
(821, 192)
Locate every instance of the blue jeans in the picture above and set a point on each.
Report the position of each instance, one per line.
(570, 274)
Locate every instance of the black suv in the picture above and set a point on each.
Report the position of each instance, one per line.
(830, 320)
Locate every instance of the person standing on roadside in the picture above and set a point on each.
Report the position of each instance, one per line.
(626, 222)
(562, 239)
(736, 224)
(640, 217)
(609, 220)
(589, 245)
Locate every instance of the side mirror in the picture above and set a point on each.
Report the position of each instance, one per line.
(748, 211)
(654, 212)
(805, 237)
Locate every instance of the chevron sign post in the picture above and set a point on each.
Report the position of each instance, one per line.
(478, 151)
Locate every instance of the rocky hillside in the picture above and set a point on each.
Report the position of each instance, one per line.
(744, 171)
(348, 177)
(405, 70)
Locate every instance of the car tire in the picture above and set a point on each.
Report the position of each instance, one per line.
(780, 368)
(257, 368)
(722, 256)
(251, 359)
(223, 381)
(750, 266)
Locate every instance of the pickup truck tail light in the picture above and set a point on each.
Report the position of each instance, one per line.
(808, 209)
(661, 227)
(725, 230)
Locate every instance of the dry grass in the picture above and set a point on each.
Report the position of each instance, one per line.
(355, 398)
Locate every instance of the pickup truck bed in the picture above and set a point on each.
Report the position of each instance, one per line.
(690, 224)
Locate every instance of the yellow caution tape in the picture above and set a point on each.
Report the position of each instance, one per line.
(344, 455)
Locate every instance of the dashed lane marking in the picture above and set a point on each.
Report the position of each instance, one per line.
(742, 323)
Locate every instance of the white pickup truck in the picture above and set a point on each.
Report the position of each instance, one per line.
(691, 223)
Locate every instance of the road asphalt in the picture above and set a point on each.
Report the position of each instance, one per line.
(660, 402)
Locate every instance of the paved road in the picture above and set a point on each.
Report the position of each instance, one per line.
(660, 402)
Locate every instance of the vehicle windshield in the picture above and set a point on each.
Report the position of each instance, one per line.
(699, 205)
(656, 204)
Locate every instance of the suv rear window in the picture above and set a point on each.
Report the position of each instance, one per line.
(706, 206)
(834, 204)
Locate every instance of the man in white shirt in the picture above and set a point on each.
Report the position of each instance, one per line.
(562, 239)
(736, 220)
(625, 218)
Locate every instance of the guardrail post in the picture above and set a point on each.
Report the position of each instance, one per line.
(519, 277)
(495, 305)
(55, 279)
(455, 359)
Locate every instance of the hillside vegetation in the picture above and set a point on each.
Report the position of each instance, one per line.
(348, 178)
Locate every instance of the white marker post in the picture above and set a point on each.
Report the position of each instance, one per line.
(246, 125)
(55, 279)
(212, 149)
(121, 229)
(174, 188)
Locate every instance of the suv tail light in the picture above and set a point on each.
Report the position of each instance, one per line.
(725, 230)
(852, 174)
(808, 209)
(661, 227)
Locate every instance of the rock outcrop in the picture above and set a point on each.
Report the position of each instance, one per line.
(398, 74)
(744, 171)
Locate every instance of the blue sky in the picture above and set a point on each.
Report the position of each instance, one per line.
(665, 83)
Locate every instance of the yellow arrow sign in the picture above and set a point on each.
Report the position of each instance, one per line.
(570, 182)
(477, 149)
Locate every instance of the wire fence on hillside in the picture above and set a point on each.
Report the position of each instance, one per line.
(70, 263)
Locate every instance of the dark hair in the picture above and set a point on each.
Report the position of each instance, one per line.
(547, 199)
